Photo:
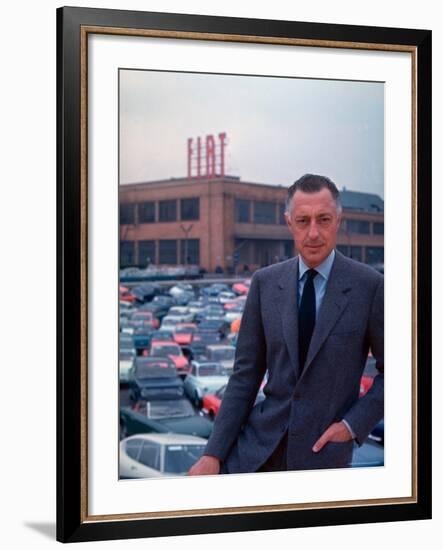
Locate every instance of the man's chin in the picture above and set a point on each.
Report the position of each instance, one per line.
(313, 257)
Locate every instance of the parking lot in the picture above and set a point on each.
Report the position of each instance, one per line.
(177, 349)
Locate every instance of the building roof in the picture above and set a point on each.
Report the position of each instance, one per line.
(363, 202)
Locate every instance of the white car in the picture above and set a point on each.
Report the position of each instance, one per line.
(221, 353)
(204, 377)
(125, 363)
(171, 321)
(159, 455)
(183, 312)
(179, 289)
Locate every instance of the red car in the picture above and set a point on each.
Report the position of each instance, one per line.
(240, 301)
(365, 384)
(212, 401)
(125, 294)
(184, 333)
(147, 317)
(242, 288)
(173, 351)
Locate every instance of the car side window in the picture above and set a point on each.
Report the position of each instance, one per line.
(150, 455)
(133, 447)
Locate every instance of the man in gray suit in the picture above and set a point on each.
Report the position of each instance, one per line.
(309, 322)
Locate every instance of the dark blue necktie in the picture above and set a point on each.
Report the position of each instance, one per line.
(306, 317)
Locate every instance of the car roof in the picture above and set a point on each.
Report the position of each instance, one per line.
(170, 438)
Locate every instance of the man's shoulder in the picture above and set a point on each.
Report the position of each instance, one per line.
(276, 270)
(358, 270)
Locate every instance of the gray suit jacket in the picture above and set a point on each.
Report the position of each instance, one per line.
(350, 322)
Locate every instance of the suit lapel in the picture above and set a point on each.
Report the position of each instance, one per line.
(288, 285)
(334, 303)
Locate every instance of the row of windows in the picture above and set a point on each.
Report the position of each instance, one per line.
(268, 212)
(247, 211)
(362, 227)
(165, 251)
(161, 211)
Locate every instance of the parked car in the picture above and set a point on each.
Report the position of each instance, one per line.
(183, 312)
(215, 289)
(125, 295)
(221, 353)
(126, 308)
(170, 322)
(212, 401)
(368, 455)
(218, 325)
(126, 360)
(365, 384)
(151, 377)
(126, 342)
(179, 289)
(172, 351)
(184, 333)
(147, 317)
(242, 288)
(158, 455)
(161, 416)
(145, 292)
(204, 377)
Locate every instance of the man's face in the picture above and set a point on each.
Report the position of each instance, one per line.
(313, 221)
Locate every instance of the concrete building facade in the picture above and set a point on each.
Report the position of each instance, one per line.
(227, 223)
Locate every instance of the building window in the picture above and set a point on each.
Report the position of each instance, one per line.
(281, 214)
(146, 212)
(343, 249)
(146, 253)
(379, 228)
(127, 213)
(190, 209)
(190, 251)
(264, 212)
(167, 252)
(242, 211)
(357, 226)
(168, 211)
(375, 255)
(127, 257)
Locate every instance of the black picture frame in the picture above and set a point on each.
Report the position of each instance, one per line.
(72, 518)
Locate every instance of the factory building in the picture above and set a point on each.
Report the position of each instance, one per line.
(219, 221)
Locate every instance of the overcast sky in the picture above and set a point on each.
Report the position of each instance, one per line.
(278, 128)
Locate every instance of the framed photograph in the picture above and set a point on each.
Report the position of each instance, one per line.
(179, 141)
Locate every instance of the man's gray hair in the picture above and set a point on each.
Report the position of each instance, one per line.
(311, 183)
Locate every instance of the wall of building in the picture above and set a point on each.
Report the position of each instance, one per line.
(257, 237)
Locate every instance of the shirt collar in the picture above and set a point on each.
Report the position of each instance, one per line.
(324, 269)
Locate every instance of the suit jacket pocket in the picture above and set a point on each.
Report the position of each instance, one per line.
(334, 454)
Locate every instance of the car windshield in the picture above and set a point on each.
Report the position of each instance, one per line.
(177, 408)
(142, 315)
(180, 458)
(223, 354)
(164, 351)
(211, 369)
(159, 369)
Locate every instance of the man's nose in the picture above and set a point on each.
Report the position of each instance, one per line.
(313, 230)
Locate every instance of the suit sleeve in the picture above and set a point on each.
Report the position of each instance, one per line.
(245, 380)
(369, 409)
